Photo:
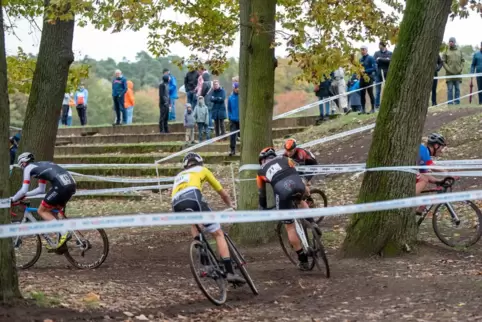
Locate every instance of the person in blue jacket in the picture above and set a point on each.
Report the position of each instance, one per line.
(476, 67)
(354, 99)
(370, 67)
(172, 93)
(14, 140)
(119, 89)
(233, 116)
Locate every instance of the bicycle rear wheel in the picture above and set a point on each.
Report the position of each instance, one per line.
(240, 264)
(317, 199)
(93, 243)
(205, 268)
(319, 252)
(286, 245)
(465, 233)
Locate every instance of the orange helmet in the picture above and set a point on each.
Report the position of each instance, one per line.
(290, 144)
(265, 153)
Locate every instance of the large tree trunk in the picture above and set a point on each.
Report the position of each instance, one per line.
(398, 131)
(8, 274)
(48, 88)
(257, 65)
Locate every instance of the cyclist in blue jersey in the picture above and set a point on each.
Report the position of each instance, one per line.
(435, 145)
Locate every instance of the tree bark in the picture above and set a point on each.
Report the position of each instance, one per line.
(257, 65)
(398, 132)
(8, 274)
(48, 88)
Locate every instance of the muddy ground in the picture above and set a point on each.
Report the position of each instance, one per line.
(146, 276)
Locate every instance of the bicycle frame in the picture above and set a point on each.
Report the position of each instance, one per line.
(442, 189)
(301, 235)
(29, 217)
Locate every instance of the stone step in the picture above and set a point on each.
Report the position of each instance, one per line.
(209, 158)
(164, 171)
(146, 138)
(139, 148)
(174, 127)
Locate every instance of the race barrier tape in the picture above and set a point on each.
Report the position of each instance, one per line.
(162, 219)
(123, 180)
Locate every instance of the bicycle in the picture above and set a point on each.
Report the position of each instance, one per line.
(212, 268)
(312, 244)
(443, 187)
(81, 243)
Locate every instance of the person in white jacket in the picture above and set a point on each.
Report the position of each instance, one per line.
(338, 87)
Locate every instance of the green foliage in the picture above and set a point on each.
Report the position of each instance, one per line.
(21, 69)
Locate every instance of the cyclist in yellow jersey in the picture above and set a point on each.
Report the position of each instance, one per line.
(187, 195)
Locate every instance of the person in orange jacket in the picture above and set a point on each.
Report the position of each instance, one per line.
(128, 104)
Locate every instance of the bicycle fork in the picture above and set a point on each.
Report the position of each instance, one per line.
(454, 216)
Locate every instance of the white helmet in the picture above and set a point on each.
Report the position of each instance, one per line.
(25, 157)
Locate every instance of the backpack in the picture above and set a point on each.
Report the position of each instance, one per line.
(209, 94)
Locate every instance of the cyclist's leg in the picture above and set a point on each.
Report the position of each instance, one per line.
(420, 184)
(56, 198)
(184, 202)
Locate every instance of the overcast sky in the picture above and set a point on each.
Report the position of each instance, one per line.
(101, 45)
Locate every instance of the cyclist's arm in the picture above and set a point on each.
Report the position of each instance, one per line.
(40, 189)
(261, 183)
(218, 188)
(310, 160)
(25, 185)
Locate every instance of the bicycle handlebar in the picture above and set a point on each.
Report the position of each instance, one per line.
(446, 182)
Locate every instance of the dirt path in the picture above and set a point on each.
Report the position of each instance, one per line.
(354, 149)
(147, 276)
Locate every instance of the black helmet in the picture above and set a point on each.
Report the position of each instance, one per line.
(436, 138)
(190, 158)
(266, 153)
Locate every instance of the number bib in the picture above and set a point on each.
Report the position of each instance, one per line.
(182, 178)
(272, 170)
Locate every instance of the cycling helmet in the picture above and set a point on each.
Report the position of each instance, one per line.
(25, 157)
(290, 144)
(266, 153)
(190, 158)
(436, 138)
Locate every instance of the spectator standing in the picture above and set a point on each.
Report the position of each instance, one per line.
(218, 111)
(119, 89)
(65, 109)
(200, 81)
(189, 123)
(382, 58)
(233, 116)
(81, 99)
(322, 91)
(190, 83)
(438, 67)
(164, 104)
(354, 99)
(172, 93)
(366, 79)
(338, 88)
(206, 92)
(453, 62)
(14, 140)
(129, 103)
(476, 67)
(201, 115)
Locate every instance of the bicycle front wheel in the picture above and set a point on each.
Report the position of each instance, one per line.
(27, 250)
(465, 231)
(240, 264)
(207, 273)
(317, 199)
(87, 249)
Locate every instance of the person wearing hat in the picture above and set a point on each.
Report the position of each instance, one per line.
(453, 62)
(233, 116)
(382, 58)
(476, 67)
(366, 79)
(172, 93)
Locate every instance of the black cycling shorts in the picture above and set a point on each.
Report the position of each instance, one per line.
(284, 192)
(193, 200)
(58, 196)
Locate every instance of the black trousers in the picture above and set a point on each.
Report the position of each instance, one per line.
(164, 111)
(233, 126)
(82, 112)
(363, 85)
(65, 114)
(219, 127)
(434, 91)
